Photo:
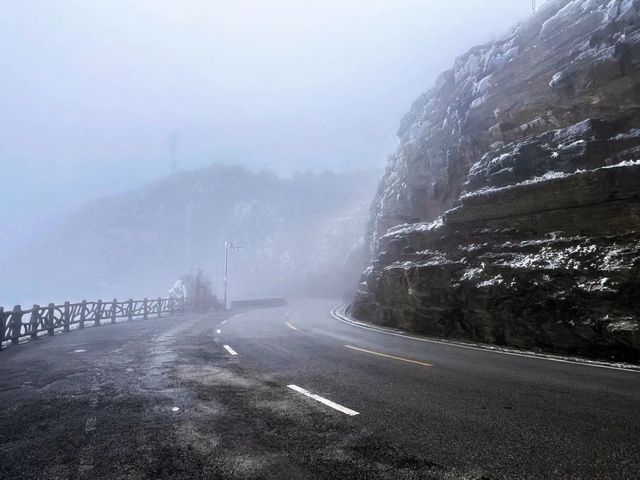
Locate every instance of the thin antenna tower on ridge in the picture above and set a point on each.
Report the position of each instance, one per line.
(173, 146)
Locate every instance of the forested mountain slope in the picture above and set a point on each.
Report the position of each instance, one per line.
(300, 235)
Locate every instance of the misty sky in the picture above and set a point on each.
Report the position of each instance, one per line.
(93, 91)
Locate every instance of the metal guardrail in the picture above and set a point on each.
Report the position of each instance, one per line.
(20, 324)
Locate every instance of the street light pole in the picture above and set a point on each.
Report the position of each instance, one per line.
(226, 271)
(227, 246)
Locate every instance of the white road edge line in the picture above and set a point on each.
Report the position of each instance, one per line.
(230, 350)
(291, 326)
(345, 319)
(318, 398)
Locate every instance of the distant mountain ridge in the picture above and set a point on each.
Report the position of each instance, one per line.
(298, 235)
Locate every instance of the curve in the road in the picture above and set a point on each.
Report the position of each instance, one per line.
(339, 313)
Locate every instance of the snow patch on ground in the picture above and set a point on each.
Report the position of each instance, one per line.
(472, 273)
(599, 285)
(406, 228)
(626, 163)
(550, 175)
(491, 282)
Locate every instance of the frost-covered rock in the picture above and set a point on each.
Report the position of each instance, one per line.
(550, 72)
(179, 290)
(196, 291)
(511, 210)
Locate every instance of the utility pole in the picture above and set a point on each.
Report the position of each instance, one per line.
(227, 246)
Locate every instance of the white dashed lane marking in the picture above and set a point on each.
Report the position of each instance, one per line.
(318, 398)
(230, 350)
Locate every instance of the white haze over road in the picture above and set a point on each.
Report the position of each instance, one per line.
(101, 96)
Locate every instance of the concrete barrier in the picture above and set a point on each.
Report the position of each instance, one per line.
(259, 302)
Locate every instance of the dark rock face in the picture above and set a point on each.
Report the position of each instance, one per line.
(525, 158)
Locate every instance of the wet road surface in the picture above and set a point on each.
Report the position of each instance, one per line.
(294, 393)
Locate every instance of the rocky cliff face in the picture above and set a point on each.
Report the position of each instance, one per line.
(510, 212)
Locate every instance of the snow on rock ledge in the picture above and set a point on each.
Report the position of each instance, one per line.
(510, 212)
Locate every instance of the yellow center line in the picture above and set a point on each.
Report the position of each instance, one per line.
(291, 326)
(408, 360)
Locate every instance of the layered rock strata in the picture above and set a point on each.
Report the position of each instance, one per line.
(510, 212)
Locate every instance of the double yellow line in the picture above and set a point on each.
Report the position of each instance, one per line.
(393, 357)
(371, 352)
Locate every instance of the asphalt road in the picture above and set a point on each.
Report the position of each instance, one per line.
(293, 393)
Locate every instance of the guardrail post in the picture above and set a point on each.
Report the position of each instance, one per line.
(50, 319)
(159, 307)
(67, 317)
(83, 313)
(145, 309)
(98, 314)
(16, 324)
(114, 306)
(130, 309)
(33, 323)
